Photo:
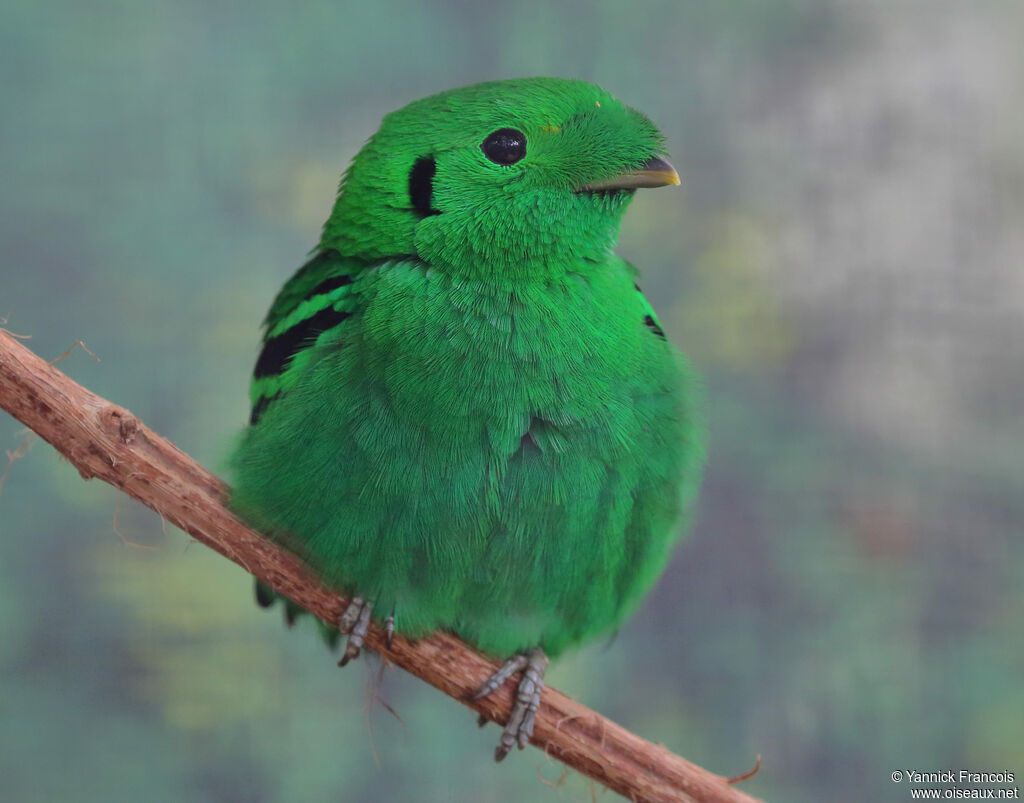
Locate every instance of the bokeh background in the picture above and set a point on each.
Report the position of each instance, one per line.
(845, 264)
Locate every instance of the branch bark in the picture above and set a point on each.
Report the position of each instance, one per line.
(106, 441)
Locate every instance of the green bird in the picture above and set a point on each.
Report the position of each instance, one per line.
(465, 414)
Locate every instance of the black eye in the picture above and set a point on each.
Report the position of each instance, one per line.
(505, 146)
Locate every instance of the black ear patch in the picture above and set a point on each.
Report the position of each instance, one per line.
(421, 186)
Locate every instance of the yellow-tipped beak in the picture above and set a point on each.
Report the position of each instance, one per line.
(655, 172)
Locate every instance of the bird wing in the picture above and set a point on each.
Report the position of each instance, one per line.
(651, 317)
(313, 301)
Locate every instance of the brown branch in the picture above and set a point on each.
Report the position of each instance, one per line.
(103, 440)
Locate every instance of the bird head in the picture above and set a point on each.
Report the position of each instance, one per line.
(500, 179)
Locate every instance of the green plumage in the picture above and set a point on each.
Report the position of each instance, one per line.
(465, 410)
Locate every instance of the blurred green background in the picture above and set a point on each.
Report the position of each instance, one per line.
(844, 263)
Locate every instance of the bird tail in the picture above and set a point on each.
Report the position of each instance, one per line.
(266, 597)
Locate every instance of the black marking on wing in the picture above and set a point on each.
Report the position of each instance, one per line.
(421, 186)
(278, 351)
(261, 406)
(293, 292)
(327, 285)
(653, 326)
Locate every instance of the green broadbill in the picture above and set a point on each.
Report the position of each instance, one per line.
(465, 414)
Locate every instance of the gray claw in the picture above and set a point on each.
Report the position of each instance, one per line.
(354, 623)
(519, 727)
(349, 617)
(494, 682)
(389, 629)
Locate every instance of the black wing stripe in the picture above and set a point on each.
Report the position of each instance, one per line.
(278, 351)
(653, 326)
(261, 406)
(327, 285)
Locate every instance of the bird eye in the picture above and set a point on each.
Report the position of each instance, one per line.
(505, 146)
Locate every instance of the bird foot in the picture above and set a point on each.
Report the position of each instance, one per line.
(354, 623)
(519, 727)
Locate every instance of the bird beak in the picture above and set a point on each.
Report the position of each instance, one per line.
(655, 172)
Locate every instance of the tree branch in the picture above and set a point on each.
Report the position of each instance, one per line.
(103, 440)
